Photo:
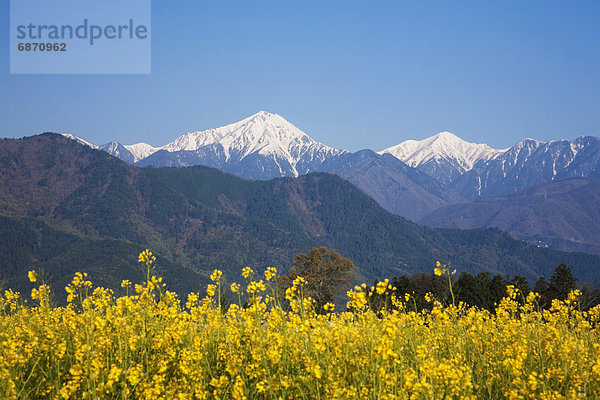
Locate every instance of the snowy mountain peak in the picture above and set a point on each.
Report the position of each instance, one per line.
(283, 149)
(141, 150)
(263, 133)
(265, 115)
(443, 146)
(445, 135)
(252, 133)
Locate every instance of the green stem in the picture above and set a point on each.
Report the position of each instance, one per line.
(450, 286)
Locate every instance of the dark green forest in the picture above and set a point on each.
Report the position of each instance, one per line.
(483, 290)
(65, 207)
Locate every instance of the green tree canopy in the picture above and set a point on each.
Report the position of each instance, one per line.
(561, 282)
(326, 273)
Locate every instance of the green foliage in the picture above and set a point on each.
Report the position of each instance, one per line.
(482, 290)
(65, 205)
(561, 283)
(325, 271)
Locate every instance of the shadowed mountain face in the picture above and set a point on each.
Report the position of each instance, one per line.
(562, 214)
(266, 146)
(66, 207)
(398, 188)
(530, 163)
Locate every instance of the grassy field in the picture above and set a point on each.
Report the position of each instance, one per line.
(148, 344)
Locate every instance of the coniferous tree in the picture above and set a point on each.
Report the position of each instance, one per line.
(541, 287)
(561, 282)
(521, 283)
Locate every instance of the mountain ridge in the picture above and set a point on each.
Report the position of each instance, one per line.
(415, 153)
(562, 214)
(261, 154)
(531, 162)
(400, 189)
(197, 219)
(265, 146)
(444, 145)
(290, 151)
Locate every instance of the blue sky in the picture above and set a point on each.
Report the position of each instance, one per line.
(351, 74)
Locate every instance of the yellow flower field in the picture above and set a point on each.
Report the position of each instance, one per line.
(149, 344)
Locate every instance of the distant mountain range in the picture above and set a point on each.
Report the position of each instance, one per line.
(476, 170)
(66, 207)
(411, 179)
(443, 156)
(529, 163)
(561, 214)
(265, 146)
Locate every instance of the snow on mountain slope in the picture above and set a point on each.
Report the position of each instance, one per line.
(129, 153)
(116, 149)
(80, 140)
(531, 162)
(264, 134)
(141, 150)
(265, 143)
(443, 146)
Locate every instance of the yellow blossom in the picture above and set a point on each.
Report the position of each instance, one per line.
(211, 289)
(246, 272)
(147, 345)
(216, 275)
(270, 273)
(146, 256)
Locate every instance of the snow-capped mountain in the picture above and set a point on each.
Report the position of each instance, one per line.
(128, 153)
(118, 150)
(139, 151)
(262, 146)
(444, 156)
(531, 162)
(82, 141)
(475, 170)
(265, 146)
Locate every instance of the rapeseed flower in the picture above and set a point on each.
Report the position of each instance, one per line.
(149, 345)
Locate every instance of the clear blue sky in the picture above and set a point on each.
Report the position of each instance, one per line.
(353, 75)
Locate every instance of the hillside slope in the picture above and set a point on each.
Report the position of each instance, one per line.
(398, 188)
(266, 146)
(198, 218)
(562, 214)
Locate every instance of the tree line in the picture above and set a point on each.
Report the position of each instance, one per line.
(328, 276)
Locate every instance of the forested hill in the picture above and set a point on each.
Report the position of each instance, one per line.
(65, 207)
